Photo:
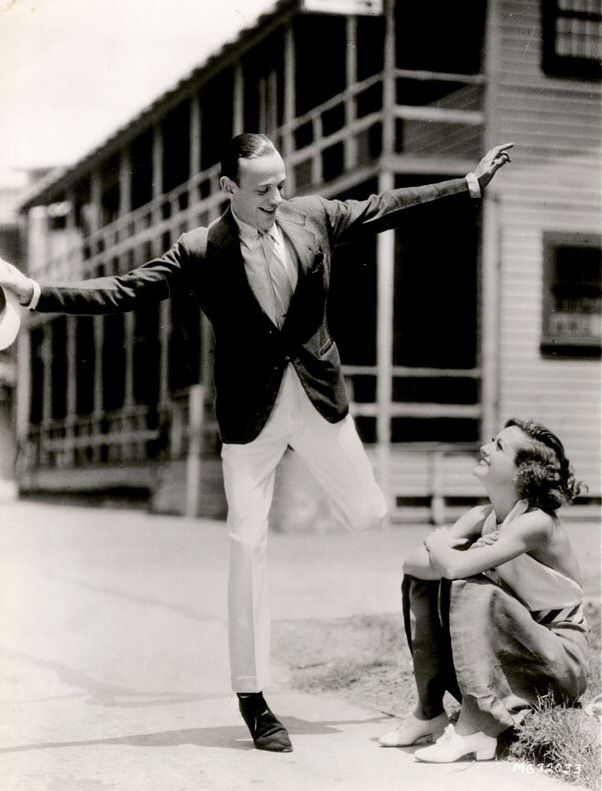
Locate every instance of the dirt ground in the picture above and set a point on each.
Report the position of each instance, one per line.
(366, 659)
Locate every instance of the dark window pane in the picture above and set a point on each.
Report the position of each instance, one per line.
(572, 304)
(572, 38)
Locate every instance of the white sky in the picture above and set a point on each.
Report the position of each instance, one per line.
(73, 71)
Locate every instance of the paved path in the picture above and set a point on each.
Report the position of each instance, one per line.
(113, 659)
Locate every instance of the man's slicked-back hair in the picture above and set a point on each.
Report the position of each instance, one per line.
(246, 146)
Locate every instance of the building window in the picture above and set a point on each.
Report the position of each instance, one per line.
(572, 38)
(572, 306)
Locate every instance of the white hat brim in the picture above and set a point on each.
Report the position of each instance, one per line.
(10, 318)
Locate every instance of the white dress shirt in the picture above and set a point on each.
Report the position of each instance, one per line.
(270, 267)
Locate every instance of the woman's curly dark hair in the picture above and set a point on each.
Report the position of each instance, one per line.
(545, 476)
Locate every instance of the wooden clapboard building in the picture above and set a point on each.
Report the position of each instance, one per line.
(447, 326)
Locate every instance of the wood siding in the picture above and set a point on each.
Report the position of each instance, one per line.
(553, 184)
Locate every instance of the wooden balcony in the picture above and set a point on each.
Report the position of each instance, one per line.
(331, 148)
(399, 123)
(131, 434)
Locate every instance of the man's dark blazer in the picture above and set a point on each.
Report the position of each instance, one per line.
(251, 353)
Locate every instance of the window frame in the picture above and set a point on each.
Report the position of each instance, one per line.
(556, 65)
(564, 345)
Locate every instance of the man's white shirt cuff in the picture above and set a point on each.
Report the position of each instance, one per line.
(35, 297)
(473, 185)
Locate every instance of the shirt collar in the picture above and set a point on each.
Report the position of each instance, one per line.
(248, 234)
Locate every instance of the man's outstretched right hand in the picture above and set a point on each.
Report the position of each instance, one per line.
(14, 280)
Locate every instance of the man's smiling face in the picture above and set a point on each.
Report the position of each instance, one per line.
(258, 193)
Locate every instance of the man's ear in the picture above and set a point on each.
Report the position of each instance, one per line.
(226, 184)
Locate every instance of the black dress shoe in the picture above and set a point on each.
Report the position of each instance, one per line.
(266, 729)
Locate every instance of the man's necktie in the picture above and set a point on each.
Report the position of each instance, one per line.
(281, 285)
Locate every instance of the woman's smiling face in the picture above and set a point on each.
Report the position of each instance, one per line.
(497, 458)
(258, 191)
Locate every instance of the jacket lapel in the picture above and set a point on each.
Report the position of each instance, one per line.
(223, 238)
(225, 257)
(223, 252)
(304, 243)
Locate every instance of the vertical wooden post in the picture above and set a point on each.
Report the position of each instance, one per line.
(23, 389)
(238, 101)
(98, 390)
(125, 183)
(71, 355)
(96, 218)
(389, 81)
(157, 172)
(196, 397)
(385, 260)
(164, 333)
(385, 257)
(437, 507)
(350, 103)
(129, 320)
(24, 361)
(490, 246)
(46, 352)
(195, 153)
(490, 319)
(195, 136)
(288, 144)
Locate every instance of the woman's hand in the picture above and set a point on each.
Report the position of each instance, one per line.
(487, 540)
(442, 537)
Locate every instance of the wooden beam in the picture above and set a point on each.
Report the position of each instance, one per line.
(238, 100)
(385, 258)
(350, 103)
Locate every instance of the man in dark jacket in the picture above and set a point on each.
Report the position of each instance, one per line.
(261, 274)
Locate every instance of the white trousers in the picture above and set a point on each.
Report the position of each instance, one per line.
(335, 455)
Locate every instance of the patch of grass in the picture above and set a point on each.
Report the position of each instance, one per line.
(565, 742)
(366, 659)
(594, 679)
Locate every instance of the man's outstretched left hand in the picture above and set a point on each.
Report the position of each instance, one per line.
(493, 160)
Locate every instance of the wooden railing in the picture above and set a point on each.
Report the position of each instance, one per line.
(348, 126)
(408, 408)
(430, 481)
(174, 213)
(131, 434)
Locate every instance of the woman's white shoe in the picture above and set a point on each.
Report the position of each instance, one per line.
(451, 747)
(413, 730)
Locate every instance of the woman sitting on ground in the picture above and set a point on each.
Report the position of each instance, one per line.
(493, 605)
